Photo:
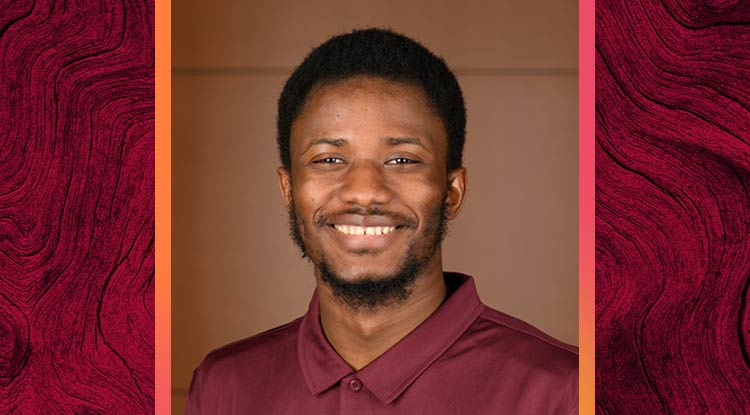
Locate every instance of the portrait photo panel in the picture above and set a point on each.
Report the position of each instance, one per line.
(235, 269)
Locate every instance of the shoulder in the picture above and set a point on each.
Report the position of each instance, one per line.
(259, 353)
(243, 365)
(528, 346)
(544, 370)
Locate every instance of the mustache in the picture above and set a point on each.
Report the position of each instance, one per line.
(324, 219)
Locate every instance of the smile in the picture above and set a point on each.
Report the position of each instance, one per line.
(364, 230)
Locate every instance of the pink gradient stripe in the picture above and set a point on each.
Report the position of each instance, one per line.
(586, 203)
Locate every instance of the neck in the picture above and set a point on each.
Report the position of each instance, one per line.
(360, 336)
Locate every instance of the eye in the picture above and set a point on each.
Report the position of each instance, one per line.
(329, 160)
(401, 160)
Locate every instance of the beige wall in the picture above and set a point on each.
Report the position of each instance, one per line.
(235, 271)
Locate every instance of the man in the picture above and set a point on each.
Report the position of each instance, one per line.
(370, 132)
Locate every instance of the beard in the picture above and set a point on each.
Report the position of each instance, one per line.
(370, 292)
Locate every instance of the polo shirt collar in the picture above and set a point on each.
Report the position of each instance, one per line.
(391, 373)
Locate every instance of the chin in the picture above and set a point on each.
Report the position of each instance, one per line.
(368, 287)
(363, 273)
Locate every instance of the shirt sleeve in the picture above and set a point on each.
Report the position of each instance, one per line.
(192, 403)
(573, 393)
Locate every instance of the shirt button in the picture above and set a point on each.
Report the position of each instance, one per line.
(355, 385)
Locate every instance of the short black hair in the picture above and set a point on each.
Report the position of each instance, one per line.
(381, 53)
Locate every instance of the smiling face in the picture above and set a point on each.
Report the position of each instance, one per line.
(368, 191)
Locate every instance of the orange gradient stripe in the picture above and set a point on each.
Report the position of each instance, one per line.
(163, 157)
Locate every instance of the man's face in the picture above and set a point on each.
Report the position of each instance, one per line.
(368, 192)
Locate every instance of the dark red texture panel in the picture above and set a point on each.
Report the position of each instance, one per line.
(672, 207)
(76, 207)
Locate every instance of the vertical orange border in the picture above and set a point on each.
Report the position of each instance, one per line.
(163, 157)
(586, 326)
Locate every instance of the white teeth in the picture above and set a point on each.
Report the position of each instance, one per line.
(364, 230)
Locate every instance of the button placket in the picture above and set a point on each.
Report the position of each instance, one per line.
(354, 399)
(355, 385)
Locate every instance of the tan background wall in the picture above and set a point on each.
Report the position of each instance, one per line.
(235, 271)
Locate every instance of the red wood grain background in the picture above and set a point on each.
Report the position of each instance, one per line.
(76, 207)
(672, 207)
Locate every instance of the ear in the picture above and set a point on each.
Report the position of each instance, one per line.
(285, 185)
(456, 192)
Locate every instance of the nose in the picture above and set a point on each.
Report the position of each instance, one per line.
(365, 184)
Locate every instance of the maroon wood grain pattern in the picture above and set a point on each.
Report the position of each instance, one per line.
(76, 207)
(672, 207)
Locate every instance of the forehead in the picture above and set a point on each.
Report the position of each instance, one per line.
(364, 85)
(367, 105)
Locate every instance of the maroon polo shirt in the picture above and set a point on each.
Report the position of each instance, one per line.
(465, 359)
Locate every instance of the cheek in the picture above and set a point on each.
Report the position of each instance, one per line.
(309, 198)
(420, 193)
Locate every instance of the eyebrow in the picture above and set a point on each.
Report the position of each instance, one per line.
(394, 141)
(336, 142)
(340, 142)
